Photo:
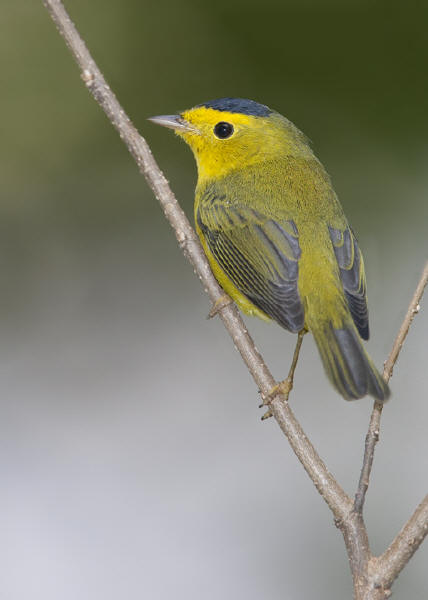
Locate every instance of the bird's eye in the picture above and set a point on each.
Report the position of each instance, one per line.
(223, 130)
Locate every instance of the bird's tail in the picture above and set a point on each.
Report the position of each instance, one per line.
(347, 364)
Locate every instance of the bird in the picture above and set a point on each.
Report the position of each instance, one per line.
(275, 233)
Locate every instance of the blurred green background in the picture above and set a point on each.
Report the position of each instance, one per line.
(133, 460)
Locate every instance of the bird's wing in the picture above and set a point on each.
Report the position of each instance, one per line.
(352, 274)
(259, 255)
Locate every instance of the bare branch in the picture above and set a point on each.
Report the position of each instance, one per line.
(412, 311)
(396, 557)
(372, 438)
(374, 427)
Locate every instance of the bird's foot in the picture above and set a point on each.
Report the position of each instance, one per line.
(220, 303)
(283, 387)
(268, 414)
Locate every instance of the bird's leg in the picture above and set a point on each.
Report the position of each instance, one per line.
(284, 387)
(220, 303)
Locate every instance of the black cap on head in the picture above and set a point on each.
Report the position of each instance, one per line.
(238, 105)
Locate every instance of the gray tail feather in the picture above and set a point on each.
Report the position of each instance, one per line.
(348, 365)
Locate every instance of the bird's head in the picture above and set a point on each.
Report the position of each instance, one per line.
(232, 133)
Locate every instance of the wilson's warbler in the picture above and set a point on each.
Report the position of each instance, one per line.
(275, 233)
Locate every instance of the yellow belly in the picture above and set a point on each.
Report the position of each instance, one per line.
(229, 287)
(319, 284)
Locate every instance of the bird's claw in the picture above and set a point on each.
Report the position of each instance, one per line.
(219, 304)
(283, 387)
(267, 414)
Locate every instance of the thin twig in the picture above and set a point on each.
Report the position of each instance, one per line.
(374, 427)
(412, 311)
(372, 438)
(396, 557)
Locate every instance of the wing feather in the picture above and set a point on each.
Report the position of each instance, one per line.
(259, 255)
(351, 266)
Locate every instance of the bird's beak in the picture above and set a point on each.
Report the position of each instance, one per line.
(175, 122)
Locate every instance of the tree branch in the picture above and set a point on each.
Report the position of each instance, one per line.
(372, 436)
(396, 557)
(412, 311)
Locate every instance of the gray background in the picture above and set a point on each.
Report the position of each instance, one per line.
(133, 462)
